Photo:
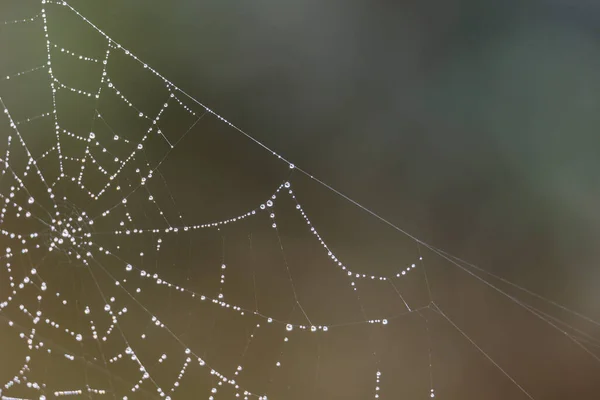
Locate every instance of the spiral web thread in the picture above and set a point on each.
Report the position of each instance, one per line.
(104, 225)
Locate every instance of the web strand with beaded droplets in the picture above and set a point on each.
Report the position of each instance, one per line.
(70, 232)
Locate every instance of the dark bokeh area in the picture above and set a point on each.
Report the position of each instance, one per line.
(472, 125)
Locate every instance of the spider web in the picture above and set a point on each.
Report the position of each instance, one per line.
(112, 286)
